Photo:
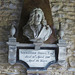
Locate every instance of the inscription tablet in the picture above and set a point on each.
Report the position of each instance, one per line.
(36, 58)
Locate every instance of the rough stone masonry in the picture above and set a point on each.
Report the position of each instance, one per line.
(64, 10)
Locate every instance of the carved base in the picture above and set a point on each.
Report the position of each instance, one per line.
(36, 73)
(63, 63)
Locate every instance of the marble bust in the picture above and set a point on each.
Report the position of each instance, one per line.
(36, 28)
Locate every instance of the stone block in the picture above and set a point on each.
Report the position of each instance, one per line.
(68, 73)
(3, 23)
(70, 17)
(72, 0)
(57, 73)
(8, 69)
(52, 0)
(53, 14)
(15, 1)
(13, 18)
(72, 9)
(56, 25)
(55, 19)
(12, 6)
(3, 58)
(1, 12)
(71, 69)
(69, 21)
(60, 0)
(6, 13)
(69, 4)
(71, 13)
(0, 3)
(70, 52)
(72, 61)
(61, 12)
(57, 7)
(62, 15)
(0, 19)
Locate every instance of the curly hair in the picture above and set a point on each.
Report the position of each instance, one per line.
(32, 17)
(34, 27)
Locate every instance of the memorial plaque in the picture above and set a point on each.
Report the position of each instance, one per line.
(37, 58)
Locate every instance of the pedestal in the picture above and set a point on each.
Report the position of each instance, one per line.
(12, 50)
(62, 52)
(36, 72)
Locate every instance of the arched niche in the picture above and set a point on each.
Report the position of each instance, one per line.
(28, 6)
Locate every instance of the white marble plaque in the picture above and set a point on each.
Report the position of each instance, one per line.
(36, 58)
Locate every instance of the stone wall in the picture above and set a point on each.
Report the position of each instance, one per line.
(62, 11)
(10, 11)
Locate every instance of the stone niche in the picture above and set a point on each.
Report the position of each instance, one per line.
(28, 6)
